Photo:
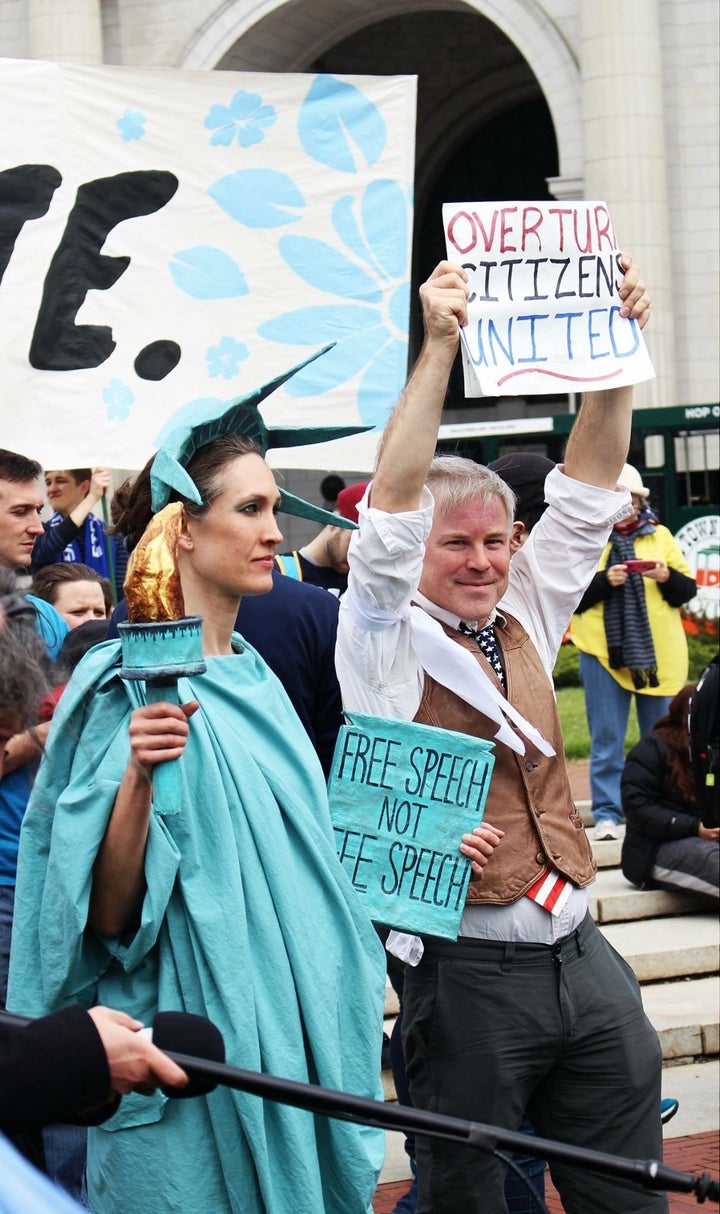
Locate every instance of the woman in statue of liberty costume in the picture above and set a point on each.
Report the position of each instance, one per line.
(235, 908)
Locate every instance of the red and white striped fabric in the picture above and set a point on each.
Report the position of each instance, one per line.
(551, 891)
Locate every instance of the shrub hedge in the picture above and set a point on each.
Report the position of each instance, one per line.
(701, 650)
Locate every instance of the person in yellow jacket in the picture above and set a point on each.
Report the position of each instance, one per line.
(631, 640)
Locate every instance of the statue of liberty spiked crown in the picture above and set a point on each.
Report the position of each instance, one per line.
(193, 427)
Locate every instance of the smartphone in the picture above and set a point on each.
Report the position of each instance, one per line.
(639, 566)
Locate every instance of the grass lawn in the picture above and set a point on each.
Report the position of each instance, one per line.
(571, 703)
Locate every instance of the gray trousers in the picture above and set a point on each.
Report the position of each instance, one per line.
(689, 865)
(494, 1029)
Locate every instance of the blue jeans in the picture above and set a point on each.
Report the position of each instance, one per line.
(65, 1148)
(607, 706)
(7, 904)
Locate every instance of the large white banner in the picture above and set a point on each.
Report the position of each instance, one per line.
(544, 310)
(170, 237)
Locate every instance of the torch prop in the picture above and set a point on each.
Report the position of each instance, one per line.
(159, 654)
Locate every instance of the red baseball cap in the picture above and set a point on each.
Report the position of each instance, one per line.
(347, 500)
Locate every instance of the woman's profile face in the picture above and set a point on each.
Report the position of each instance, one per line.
(232, 545)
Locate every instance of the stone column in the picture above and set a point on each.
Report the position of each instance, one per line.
(570, 188)
(625, 158)
(68, 32)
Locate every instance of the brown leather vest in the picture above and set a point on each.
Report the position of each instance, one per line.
(529, 795)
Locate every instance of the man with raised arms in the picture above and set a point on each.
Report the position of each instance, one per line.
(529, 1009)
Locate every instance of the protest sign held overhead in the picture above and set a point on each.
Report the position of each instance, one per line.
(401, 797)
(174, 238)
(543, 311)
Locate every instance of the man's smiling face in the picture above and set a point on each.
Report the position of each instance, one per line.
(467, 558)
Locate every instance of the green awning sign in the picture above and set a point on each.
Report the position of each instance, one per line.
(401, 797)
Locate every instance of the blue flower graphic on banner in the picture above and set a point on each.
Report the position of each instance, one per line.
(118, 397)
(225, 358)
(371, 331)
(244, 119)
(131, 125)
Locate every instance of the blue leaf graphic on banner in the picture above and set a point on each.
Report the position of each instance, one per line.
(337, 122)
(346, 226)
(258, 198)
(382, 384)
(339, 364)
(322, 266)
(384, 220)
(205, 272)
(317, 325)
(400, 306)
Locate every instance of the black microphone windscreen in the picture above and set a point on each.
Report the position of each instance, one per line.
(185, 1033)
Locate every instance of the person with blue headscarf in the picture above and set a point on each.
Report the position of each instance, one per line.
(235, 907)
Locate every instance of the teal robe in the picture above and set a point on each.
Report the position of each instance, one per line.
(248, 919)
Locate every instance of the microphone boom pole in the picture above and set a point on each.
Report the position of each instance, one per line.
(345, 1107)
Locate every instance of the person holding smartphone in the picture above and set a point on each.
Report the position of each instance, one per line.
(632, 643)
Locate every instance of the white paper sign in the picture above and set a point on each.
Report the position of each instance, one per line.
(544, 308)
(169, 236)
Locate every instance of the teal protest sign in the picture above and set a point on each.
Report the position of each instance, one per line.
(401, 797)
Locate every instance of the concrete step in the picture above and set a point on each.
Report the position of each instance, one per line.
(607, 852)
(584, 809)
(613, 899)
(697, 1086)
(658, 949)
(685, 1015)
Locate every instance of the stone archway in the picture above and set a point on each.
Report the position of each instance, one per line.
(273, 35)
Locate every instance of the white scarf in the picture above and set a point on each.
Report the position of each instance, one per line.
(455, 667)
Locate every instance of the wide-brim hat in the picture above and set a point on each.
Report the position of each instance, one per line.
(631, 480)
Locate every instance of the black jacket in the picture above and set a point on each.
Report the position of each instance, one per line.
(654, 810)
(53, 1069)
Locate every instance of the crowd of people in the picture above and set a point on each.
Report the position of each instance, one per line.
(447, 609)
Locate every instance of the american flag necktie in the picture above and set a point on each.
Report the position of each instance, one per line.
(486, 642)
(550, 890)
